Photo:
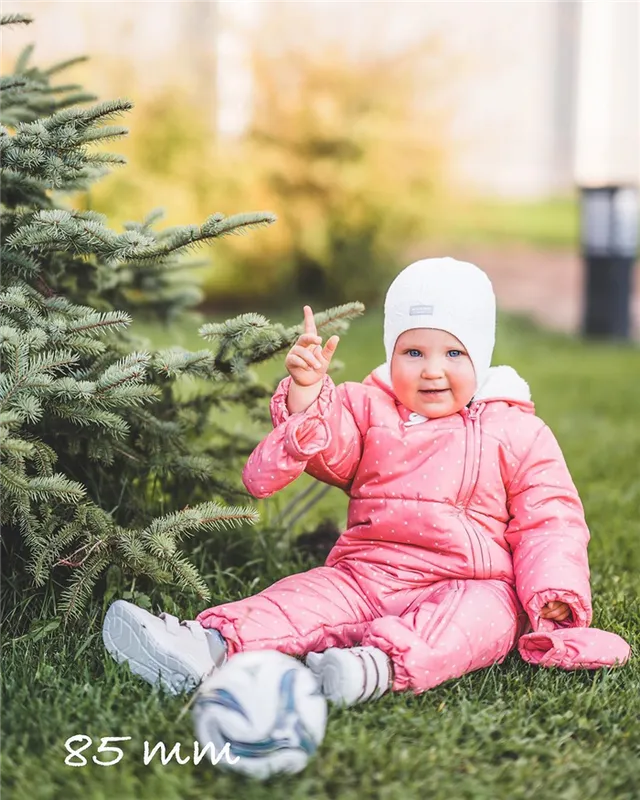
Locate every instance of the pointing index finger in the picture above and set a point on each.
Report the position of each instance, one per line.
(309, 322)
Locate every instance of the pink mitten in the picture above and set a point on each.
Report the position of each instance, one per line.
(574, 648)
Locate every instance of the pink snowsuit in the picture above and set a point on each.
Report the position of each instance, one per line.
(460, 530)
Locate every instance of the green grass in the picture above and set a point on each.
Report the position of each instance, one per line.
(547, 223)
(512, 732)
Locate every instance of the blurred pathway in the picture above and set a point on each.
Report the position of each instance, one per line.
(546, 285)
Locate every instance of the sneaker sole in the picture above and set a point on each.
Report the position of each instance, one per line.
(129, 641)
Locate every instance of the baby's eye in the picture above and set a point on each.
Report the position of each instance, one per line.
(455, 353)
(413, 353)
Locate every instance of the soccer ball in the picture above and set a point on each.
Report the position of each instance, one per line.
(266, 708)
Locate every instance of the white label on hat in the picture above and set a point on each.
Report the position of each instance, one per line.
(413, 310)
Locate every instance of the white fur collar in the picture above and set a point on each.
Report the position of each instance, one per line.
(501, 382)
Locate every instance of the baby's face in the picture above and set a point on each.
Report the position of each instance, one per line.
(432, 373)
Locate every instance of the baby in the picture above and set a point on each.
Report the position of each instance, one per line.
(464, 530)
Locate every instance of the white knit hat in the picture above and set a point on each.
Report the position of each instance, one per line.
(450, 295)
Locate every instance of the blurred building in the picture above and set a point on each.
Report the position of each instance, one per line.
(514, 96)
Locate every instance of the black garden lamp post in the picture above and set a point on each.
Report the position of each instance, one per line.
(607, 162)
(609, 243)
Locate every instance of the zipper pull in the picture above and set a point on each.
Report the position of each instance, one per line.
(474, 411)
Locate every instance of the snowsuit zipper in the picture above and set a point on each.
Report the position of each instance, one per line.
(471, 473)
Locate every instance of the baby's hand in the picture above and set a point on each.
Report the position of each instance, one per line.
(307, 362)
(556, 611)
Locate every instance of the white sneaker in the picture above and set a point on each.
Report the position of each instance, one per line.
(161, 649)
(351, 675)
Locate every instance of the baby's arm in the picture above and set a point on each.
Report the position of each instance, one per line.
(324, 440)
(548, 536)
(311, 423)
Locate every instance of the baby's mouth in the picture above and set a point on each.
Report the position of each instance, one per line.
(432, 391)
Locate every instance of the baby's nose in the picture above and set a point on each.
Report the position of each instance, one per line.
(432, 368)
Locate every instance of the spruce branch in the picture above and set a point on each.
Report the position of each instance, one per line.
(189, 236)
(189, 579)
(84, 118)
(42, 488)
(219, 225)
(13, 83)
(152, 217)
(30, 409)
(75, 559)
(131, 368)
(15, 447)
(42, 563)
(95, 323)
(178, 361)
(43, 456)
(25, 55)
(15, 19)
(45, 487)
(75, 597)
(10, 417)
(333, 320)
(62, 65)
(206, 516)
(105, 134)
(236, 328)
(20, 264)
(17, 189)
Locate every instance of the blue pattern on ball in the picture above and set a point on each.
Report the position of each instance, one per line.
(288, 732)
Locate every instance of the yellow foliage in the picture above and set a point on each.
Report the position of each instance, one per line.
(350, 151)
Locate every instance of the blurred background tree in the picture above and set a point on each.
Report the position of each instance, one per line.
(332, 139)
(333, 135)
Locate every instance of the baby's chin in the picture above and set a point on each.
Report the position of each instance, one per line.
(438, 405)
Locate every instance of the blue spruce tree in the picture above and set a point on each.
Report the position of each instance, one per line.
(103, 463)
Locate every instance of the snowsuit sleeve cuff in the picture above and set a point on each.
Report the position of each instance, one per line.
(580, 648)
(307, 432)
(580, 612)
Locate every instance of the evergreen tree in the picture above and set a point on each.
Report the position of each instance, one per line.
(102, 450)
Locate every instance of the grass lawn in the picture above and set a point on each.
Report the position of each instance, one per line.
(547, 223)
(512, 731)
